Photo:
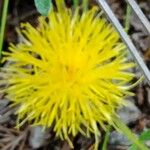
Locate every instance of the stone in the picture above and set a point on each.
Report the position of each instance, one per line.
(3, 103)
(38, 137)
(117, 138)
(130, 113)
(148, 143)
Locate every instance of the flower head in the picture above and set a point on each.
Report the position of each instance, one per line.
(70, 72)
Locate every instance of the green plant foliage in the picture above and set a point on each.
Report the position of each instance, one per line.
(143, 137)
(121, 127)
(3, 19)
(106, 138)
(43, 6)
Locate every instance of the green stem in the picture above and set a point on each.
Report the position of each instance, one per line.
(3, 23)
(127, 18)
(106, 138)
(85, 5)
(75, 3)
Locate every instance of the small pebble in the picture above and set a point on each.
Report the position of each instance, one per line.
(130, 113)
(38, 137)
(148, 143)
(118, 139)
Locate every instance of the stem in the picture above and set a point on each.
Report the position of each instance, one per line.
(3, 23)
(127, 18)
(75, 3)
(106, 138)
(85, 5)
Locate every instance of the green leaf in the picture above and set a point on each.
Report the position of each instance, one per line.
(43, 6)
(133, 147)
(120, 126)
(143, 137)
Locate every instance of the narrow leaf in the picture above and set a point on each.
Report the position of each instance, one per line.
(120, 126)
(143, 137)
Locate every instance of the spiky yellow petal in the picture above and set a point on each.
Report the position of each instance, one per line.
(70, 72)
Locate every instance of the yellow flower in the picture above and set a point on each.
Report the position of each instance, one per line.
(71, 73)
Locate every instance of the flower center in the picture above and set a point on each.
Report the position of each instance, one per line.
(71, 73)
